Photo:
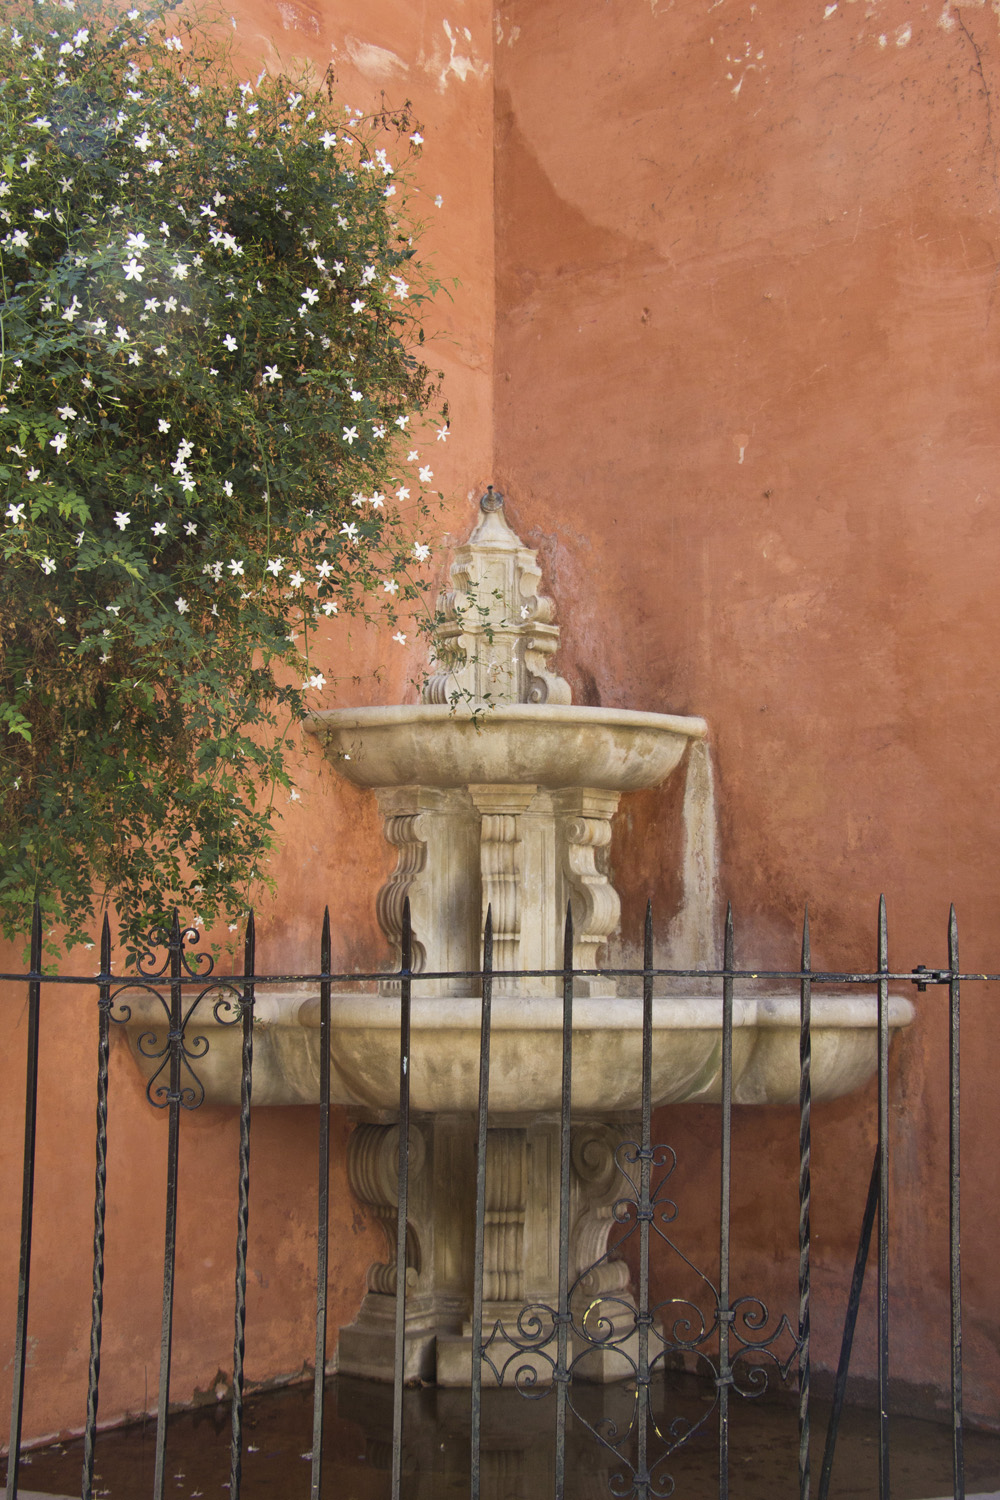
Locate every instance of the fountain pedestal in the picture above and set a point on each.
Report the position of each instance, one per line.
(520, 1262)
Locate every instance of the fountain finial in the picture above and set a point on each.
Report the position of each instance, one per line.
(497, 632)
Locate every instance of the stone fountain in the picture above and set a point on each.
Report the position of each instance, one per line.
(497, 791)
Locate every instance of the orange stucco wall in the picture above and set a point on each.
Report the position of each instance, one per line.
(726, 335)
(746, 405)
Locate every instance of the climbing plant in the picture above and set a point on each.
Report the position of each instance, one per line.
(210, 391)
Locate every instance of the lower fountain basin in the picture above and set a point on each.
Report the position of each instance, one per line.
(525, 1051)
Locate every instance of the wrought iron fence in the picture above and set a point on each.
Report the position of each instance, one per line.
(721, 1336)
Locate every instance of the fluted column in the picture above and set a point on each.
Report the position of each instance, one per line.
(501, 873)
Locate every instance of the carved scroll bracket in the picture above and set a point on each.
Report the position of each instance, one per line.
(584, 825)
(372, 1170)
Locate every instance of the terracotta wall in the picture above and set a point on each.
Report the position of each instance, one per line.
(439, 56)
(747, 385)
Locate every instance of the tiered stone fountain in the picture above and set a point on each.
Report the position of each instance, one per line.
(498, 791)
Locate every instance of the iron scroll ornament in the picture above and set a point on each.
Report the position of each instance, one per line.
(677, 1325)
(174, 973)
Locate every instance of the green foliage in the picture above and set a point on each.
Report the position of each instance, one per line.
(210, 306)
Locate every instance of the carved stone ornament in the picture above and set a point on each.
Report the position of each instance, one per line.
(498, 632)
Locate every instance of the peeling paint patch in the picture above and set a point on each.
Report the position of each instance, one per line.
(829, 11)
(461, 64)
(294, 18)
(903, 34)
(743, 63)
(741, 441)
(378, 62)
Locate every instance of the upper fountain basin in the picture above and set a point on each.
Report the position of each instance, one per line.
(538, 744)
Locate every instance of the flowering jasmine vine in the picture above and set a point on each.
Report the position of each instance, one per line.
(184, 468)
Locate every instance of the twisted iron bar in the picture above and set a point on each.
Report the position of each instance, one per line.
(104, 1005)
(805, 1193)
(246, 1008)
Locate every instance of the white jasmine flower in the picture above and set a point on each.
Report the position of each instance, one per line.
(329, 607)
(163, 425)
(443, 433)
(136, 242)
(296, 580)
(357, 305)
(350, 433)
(390, 586)
(122, 518)
(270, 374)
(236, 567)
(403, 493)
(421, 551)
(324, 569)
(58, 442)
(400, 636)
(133, 270)
(14, 514)
(426, 474)
(33, 475)
(182, 606)
(310, 295)
(48, 564)
(159, 528)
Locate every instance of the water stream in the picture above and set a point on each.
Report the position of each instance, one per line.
(694, 937)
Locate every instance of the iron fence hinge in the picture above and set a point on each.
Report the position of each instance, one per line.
(924, 976)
